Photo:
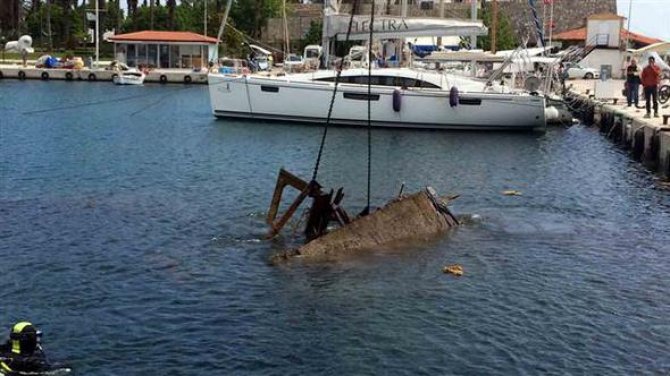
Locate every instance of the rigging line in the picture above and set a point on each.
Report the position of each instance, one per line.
(369, 52)
(332, 99)
(253, 40)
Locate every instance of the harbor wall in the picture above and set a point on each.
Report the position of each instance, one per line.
(646, 139)
(568, 14)
(158, 75)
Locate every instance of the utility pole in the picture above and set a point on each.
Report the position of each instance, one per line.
(625, 48)
(630, 13)
(151, 12)
(494, 26)
(205, 17)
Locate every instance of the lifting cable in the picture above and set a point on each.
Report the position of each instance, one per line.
(332, 99)
(372, 22)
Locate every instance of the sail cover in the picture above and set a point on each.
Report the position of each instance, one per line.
(386, 27)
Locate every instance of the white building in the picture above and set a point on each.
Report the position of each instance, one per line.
(165, 49)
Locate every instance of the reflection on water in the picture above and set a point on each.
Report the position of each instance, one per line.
(136, 243)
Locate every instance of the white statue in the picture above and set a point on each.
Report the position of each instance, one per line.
(22, 46)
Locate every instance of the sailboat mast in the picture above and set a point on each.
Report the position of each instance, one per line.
(473, 17)
(325, 41)
(551, 21)
(223, 24)
(287, 42)
(494, 26)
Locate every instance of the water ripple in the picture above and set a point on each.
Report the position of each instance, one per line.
(138, 245)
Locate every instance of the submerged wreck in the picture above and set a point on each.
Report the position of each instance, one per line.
(403, 220)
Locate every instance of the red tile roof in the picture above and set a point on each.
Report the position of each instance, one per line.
(574, 34)
(163, 36)
(580, 35)
(639, 37)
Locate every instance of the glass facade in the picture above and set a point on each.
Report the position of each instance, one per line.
(165, 55)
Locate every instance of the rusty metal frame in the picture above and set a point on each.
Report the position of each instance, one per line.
(325, 207)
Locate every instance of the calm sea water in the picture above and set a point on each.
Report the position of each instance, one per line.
(131, 232)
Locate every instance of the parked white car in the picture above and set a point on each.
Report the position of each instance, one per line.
(294, 63)
(578, 71)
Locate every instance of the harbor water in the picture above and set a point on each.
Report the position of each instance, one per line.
(132, 233)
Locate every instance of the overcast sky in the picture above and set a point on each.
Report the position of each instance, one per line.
(649, 17)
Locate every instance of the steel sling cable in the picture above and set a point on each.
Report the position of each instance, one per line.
(332, 99)
(372, 22)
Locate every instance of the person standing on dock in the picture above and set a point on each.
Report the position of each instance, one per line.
(651, 78)
(632, 83)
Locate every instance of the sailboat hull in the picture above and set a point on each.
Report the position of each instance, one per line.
(272, 98)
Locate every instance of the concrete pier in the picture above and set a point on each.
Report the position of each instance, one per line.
(180, 76)
(603, 105)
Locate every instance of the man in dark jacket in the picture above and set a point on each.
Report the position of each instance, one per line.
(22, 352)
(632, 83)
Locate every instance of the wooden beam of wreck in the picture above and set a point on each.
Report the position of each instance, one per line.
(276, 227)
(283, 179)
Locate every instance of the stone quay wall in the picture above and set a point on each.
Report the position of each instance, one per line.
(568, 14)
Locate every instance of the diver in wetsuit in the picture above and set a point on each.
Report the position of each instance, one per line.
(22, 353)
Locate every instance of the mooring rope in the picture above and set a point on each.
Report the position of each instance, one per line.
(332, 99)
(107, 101)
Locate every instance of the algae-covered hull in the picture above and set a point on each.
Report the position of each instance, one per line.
(417, 217)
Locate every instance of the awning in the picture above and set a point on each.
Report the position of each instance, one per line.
(397, 27)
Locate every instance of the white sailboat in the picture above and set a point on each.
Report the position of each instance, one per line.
(400, 97)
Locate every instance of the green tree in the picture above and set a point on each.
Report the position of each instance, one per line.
(505, 36)
(252, 15)
(313, 35)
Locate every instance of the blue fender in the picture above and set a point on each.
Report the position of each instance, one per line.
(453, 96)
(397, 99)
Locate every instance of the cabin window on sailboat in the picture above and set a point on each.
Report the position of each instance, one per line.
(383, 81)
